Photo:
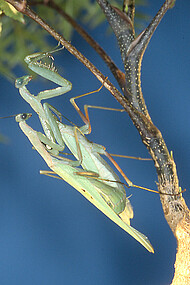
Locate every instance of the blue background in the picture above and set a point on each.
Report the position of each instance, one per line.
(49, 234)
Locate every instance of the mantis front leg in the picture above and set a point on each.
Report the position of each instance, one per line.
(47, 120)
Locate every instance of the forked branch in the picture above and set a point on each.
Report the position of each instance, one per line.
(132, 49)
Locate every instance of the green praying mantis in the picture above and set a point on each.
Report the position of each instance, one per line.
(83, 184)
(97, 181)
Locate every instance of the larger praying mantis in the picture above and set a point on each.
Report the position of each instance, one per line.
(83, 184)
(108, 193)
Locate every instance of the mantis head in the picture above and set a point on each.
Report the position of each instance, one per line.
(22, 81)
(22, 117)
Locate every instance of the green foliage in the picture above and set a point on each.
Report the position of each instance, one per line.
(21, 36)
(10, 11)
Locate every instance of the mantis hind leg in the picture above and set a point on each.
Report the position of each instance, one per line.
(85, 117)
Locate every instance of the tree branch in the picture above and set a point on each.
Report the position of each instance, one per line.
(132, 49)
(118, 74)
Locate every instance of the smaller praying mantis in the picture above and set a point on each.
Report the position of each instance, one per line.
(86, 152)
(86, 185)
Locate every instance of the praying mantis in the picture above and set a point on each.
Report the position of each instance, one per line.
(97, 181)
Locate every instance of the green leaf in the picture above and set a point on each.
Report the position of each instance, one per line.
(11, 12)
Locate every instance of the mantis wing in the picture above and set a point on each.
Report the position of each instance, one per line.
(91, 194)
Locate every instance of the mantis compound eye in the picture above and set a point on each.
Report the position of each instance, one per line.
(24, 116)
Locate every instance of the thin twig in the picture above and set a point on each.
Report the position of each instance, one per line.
(118, 74)
(131, 9)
